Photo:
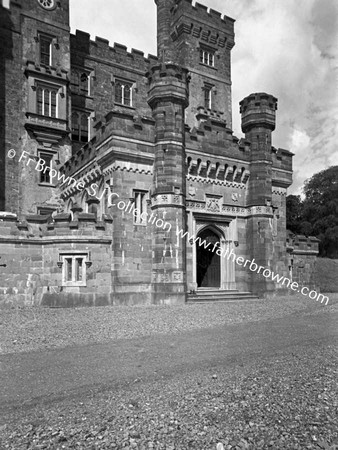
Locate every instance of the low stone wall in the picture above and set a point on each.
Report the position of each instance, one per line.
(32, 257)
(303, 252)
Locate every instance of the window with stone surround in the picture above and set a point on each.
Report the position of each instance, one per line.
(207, 89)
(124, 92)
(46, 100)
(140, 205)
(80, 126)
(207, 57)
(45, 177)
(46, 45)
(80, 82)
(73, 269)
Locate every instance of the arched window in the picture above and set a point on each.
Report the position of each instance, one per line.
(118, 92)
(53, 104)
(80, 127)
(84, 84)
(127, 95)
(80, 82)
(46, 101)
(123, 92)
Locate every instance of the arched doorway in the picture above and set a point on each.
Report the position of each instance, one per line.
(208, 262)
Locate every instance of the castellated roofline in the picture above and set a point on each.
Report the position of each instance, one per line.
(100, 47)
(204, 12)
(211, 136)
(37, 228)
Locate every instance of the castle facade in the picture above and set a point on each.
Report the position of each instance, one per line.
(121, 181)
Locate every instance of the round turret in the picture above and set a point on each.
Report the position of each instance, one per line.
(168, 82)
(258, 111)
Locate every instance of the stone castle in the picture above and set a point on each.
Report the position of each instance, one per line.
(115, 166)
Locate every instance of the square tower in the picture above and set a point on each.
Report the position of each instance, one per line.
(201, 40)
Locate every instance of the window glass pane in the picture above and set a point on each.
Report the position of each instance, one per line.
(207, 98)
(75, 127)
(84, 128)
(118, 93)
(45, 46)
(68, 269)
(46, 102)
(53, 104)
(45, 174)
(78, 269)
(127, 95)
(39, 101)
(140, 205)
(84, 83)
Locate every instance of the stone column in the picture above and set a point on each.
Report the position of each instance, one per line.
(168, 98)
(258, 121)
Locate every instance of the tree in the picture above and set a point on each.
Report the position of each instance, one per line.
(294, 209)
(317, 214)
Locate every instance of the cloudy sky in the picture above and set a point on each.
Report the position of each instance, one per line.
(288, 48)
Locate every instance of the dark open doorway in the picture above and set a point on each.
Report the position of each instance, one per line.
(208, 262)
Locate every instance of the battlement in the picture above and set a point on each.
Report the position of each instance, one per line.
(101, 49)
(41, 228)
(202, 23)
(258, 110)
(214, 137)
(302, 245)
(282, 158)
(202, 13)
(115, 124)
(168, 80)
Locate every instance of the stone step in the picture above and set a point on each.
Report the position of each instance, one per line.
(210, 295)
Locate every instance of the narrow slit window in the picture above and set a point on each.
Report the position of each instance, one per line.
(45, 177)
(46, 50)
(140, 204)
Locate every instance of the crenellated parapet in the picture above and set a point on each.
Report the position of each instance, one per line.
(212, 136)
(206, 24)
(258, 111)
(168, 82)
(282, 159)
(100, 48)
(115, 125)
(63, 227)
(299, 244)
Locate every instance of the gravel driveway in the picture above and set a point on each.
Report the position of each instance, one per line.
(283, 400)
(29, 329)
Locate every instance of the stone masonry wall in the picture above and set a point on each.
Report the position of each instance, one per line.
(31, 252)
